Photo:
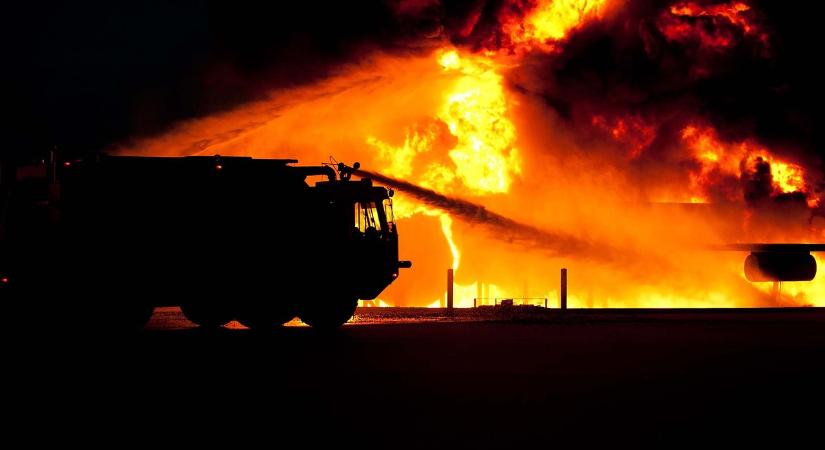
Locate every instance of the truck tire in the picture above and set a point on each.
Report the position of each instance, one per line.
(327, 314)
(206, 314)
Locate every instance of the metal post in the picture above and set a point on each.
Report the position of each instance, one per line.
(545, 302)
(449, 288)
(563, 299)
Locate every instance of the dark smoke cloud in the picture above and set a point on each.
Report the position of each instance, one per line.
(86, 75)
(625, 66)
(762, 86)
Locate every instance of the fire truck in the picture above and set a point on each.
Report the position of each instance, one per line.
(110, 238)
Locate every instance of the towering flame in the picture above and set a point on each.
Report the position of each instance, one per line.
(474, 111)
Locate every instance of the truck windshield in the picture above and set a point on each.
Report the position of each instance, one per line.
(368, 216)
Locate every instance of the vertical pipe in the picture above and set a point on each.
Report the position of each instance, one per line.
(563, 299)
(449, 288)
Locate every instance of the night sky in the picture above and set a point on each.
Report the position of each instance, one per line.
(86, 75)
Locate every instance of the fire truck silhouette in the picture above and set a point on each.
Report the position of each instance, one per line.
(222, 237)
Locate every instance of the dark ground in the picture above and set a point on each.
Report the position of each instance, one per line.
(622, 379)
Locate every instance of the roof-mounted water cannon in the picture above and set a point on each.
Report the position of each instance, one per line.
(345, 172)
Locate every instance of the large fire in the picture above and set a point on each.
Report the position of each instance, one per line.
(449, 119)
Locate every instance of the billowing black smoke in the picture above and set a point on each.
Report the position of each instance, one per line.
(92, 74)
(761, 84)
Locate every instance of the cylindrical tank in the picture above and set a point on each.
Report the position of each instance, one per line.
(780, 266)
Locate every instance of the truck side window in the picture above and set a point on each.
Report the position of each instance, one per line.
(388, 213)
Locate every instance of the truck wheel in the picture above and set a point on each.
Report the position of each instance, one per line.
(206, 314)
(327, 314)
(267, 316)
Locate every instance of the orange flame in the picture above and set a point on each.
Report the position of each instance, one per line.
(475, 113)
(447, 229)
(683, 22)
(787, 177)
(719, 159)
(548, 22)
(731, 11)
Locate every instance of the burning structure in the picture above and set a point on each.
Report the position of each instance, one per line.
(618, 138)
